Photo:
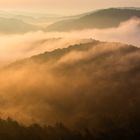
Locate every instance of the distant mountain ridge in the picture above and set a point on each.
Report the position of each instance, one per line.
(106, 18)
(12, 25)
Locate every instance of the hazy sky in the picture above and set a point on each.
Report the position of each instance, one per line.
(66, 6)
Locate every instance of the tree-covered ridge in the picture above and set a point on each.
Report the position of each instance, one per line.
(12, 130)
(92, 88)
(105, 18)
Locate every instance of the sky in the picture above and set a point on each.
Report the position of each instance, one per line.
(66, 6)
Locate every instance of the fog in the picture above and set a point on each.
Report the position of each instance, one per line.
(15, 47)
(73, 88)
(19, 46)
(81, 86)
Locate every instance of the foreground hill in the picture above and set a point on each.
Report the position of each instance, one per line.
(91, 85)
(12, 130)
(105, 18)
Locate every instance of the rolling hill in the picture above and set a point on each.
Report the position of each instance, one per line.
(11, 25)
(105, 18)
(94, 83)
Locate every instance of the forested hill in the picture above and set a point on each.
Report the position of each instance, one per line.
(105, 18)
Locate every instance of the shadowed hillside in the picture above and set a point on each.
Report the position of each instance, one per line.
(12, 130)
(84, 86)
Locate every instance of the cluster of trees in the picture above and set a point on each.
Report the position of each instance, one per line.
(12, 130)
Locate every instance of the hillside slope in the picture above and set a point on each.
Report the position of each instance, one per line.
(11, 25)
(105, 18)
(94, 84)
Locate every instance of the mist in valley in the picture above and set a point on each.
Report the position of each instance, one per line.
(78, 84)
(20, 46)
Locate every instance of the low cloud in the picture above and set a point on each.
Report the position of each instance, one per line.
(14, 47)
